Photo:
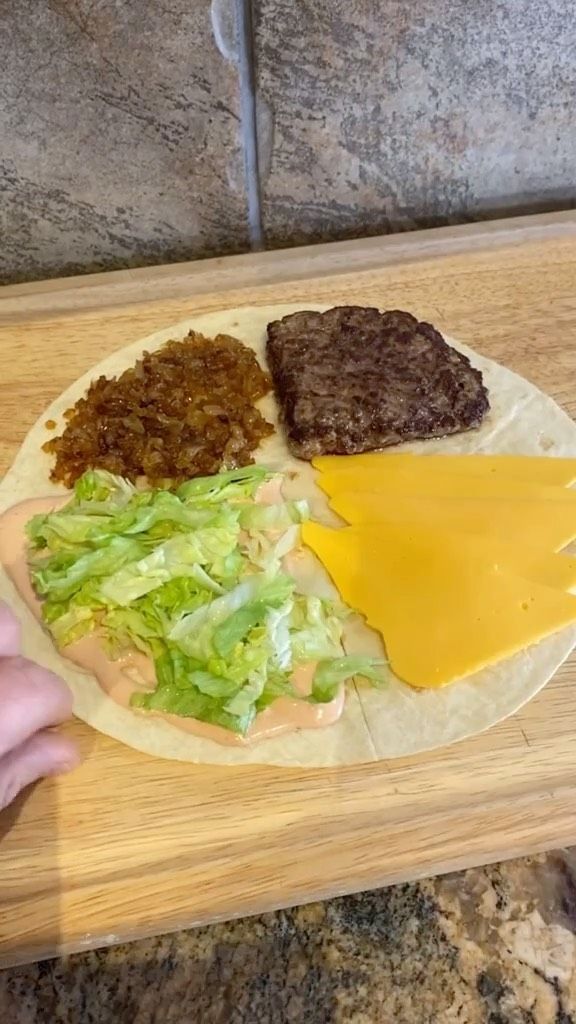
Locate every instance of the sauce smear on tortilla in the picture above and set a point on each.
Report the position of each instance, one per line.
(120, 678)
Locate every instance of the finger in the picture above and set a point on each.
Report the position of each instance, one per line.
(42, 755)
(31, 698)
(9, 632)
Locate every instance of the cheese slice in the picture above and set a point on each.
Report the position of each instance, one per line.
(533, 468)
(512, 556)
(439, 485)
(443, 613)
(548, 526)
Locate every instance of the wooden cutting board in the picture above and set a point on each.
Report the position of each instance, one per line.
(130, 846)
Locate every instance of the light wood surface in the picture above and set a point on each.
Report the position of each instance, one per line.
(130, 846)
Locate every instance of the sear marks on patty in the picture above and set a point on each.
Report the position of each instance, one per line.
(354, 379)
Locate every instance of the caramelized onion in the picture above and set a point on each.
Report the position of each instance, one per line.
(185, 410)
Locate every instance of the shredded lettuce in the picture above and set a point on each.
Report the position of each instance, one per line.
(99, 485)
(61, 576)
(193, 579)
(177, 557)
(317, 628)
(178, 693)
(330, 675)
(218, 623)
(234, 485)
(278, 516)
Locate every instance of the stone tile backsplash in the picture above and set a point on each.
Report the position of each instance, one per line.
(120, 137)
(390, 115)
(126, 127)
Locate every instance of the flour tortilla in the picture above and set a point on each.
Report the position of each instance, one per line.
(375, 724)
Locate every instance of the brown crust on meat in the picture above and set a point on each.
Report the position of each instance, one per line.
(354, 379)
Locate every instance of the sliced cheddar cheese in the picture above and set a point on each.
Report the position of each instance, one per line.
(512, 556)
(439, 485)
(443, 613)
(548, 526)
(533, 468)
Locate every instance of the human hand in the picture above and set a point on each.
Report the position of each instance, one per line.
(32, 700)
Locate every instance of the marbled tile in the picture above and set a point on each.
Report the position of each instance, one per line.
(383, 116)
(120, 136)
(487, 946)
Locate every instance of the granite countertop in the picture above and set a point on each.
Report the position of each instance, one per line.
(491, 945)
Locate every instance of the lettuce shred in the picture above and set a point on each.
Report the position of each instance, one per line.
(195, 580)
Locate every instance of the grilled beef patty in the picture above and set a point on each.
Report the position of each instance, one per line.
(354, 379)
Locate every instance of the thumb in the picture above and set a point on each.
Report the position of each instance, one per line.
(46, 753)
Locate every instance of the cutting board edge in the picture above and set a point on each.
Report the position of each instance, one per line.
(77, 942)
(218, 276)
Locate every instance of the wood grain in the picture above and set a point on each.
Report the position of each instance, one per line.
(129, 846)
